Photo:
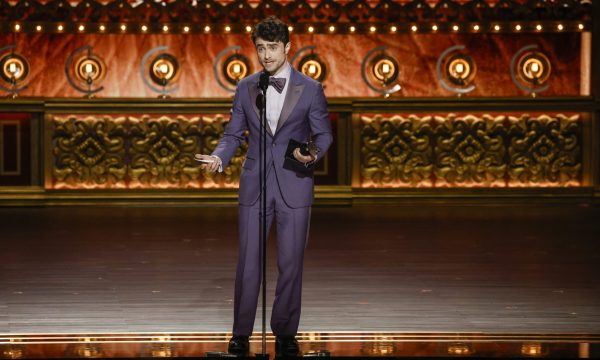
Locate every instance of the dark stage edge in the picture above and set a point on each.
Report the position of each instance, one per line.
(338, 344)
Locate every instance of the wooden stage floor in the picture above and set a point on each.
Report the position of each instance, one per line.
(383, 273)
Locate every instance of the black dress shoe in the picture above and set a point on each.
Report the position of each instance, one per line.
(239, 345)
(286, 346)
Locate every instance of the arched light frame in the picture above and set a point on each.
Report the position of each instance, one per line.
(163, 90)
(516, 59)
(78, 69)
(446, 58)
(370, 60)
(5, 74)
(222, 68)
(310, 61)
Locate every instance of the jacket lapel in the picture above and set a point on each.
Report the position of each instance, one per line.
(254, 92)
(291, 98)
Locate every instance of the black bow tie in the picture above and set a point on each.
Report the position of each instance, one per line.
(277, 83)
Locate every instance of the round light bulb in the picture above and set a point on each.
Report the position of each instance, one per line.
(123, 27)
(17, 27)
(434, 28)
(476, 27)
(38, 28)
(518, 27)
(60, 28)
(414, 28)
(144, 28)
(352, 28)
(165, 28)
(331, 28)
(394, 29)
(207, 28)
(455, 28)
(372, 29)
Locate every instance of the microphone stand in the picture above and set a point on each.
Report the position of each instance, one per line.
(263, 210)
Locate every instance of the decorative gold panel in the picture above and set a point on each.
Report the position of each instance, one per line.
(545, 150)
(146, 151)
(88, 152)
(396, 151)
(470, 151)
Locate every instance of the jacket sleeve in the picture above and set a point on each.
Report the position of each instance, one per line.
(320, 125)
(233, 136)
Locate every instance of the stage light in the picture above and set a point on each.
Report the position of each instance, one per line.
(14, 69)
(393, 29)
(384, 68)
(235, 68)
(186, 29)
(165, 28)
(518, 27)
(455, 27)
(17, 27)
(60, 28)
(531, 349)
(352, 28)
(249, 28)
(560, 27)
(164, 70)
(311, 29)
(414, 28)
(538, 27)
(456, 70)
(460, 349)
(312, 66)
(475, 27)
(372, 29)
(123, 27)
(89, 70)
(534, 68)
(81, 28)
(144, 28)
(227, 28)
(38, 28)
(331, 28)
(207, 28)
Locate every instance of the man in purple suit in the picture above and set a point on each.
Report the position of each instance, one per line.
(296, 109)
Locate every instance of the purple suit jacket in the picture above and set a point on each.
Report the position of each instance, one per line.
(304, 111)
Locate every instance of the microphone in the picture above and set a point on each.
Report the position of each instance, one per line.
(259, 101)
(263, 82)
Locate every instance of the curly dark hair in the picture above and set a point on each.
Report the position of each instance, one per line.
(271, 29)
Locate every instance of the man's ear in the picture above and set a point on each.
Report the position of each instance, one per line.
(287, 47)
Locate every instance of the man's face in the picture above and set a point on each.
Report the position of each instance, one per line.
(271, 55)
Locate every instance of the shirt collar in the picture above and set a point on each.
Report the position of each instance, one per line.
(284, 72)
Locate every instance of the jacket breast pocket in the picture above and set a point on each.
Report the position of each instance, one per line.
(248, 164)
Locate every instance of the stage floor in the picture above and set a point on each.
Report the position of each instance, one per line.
(418, 269)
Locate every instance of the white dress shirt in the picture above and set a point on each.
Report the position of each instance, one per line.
(275, 100)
